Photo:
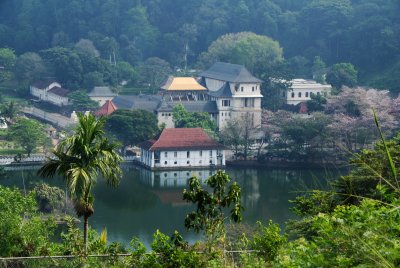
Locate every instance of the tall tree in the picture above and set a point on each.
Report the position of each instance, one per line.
(29, 134)
(29, 67)
(254, 51)
(342, 74)
(132, 127)
(79, 159)
(7, 62)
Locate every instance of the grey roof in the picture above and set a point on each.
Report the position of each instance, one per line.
(164, 106)
(102, 92)
(143, 102)
(223, 92)
(230, 72)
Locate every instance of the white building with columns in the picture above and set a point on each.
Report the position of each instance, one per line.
(181, 148)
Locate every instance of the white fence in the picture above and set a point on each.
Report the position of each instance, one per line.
(39, 158)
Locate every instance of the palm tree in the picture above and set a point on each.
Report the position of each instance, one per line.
(79, 159)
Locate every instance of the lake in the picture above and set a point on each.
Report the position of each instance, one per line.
(146, 201)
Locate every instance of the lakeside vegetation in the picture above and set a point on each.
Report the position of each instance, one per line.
(356, 223)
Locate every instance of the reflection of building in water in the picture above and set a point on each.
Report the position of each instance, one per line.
(173, 178)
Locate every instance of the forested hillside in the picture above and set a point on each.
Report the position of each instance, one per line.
(365, 33)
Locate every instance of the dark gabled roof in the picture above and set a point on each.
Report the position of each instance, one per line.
(59, 91)
(223, 92)
(200, 106)
(230, 72)
(43, 84)
(146, 145)
(164, 106)
(143, 102)
(102, 92)
(181, 139)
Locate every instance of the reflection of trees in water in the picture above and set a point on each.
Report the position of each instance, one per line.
(266, 193)
(130, 194)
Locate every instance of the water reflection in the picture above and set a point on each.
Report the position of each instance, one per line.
(146, 201)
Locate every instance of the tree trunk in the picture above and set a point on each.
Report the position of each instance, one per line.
(85, 231)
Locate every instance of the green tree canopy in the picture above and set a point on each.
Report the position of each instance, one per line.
(256, 52)
(22, 231)
(132, 127)
(184, 119)
(29, 134)
(7, 62)
(81, 101)
(342, 74)
(29, 67)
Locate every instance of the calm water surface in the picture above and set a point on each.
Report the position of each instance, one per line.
(146, 201)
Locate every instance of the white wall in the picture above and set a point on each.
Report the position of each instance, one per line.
(166, 118)
(171, 159)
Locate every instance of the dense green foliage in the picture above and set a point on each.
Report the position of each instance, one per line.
(22, 231)
(184, 119)
(365, 33)
(132, 127)
(81, 101)
(29, 134)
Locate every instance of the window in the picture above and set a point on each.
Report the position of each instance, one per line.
(175, 154)
(211, 154)
(176, 162)
(299, 94)
(165, 154)
(248, 102)
(292, 94)
(188, 162)
(306, 94)
(252, 89)
(241, 89)
(165, 162)
(236, 88)
(175, 174)
(210, 161)
(188, 154)
(226, 103)
(201, 153)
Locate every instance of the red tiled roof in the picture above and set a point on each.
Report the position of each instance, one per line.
(181, 139)
(107, 109)
(59, 91)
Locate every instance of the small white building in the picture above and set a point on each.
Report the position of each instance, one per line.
(182, 147)
(50, 92)
(102, 94)
(302, 89)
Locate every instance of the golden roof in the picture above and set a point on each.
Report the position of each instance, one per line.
(182, 83)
